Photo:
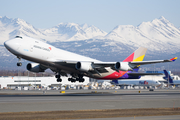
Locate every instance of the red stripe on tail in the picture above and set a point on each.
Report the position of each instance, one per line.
(130, 58)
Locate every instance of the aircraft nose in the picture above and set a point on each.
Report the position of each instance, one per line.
(8, 44)
(11, 45)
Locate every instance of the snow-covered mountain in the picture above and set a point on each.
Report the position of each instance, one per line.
(9, 28)
(72, 32)
(158, 34)
(12, 27)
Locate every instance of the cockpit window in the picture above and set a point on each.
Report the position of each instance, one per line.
(18, 37)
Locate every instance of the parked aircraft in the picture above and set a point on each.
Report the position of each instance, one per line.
(170, 79)
(63, 62)
(136, 82)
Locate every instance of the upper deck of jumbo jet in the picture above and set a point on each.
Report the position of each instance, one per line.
(21, 45)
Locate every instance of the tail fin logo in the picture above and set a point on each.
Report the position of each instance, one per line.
(137, 55)
(168, 77)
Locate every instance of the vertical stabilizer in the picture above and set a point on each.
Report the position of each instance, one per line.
(114, 82)
(168, 77)
(137, 55)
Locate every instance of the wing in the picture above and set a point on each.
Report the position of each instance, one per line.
(153, 61)
(100, 67)
(131, 64)
(85, 66)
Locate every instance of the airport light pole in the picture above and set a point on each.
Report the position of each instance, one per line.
(19, 83)
(168, 79)
(43, 74)
(35, 79)
(168, 76)
(28, 80)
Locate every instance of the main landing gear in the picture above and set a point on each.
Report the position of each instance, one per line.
(19, 62)
(74, 78)
(58, 78)
(80, 79)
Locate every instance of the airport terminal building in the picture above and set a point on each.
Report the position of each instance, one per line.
(25, 82)
(30, 83)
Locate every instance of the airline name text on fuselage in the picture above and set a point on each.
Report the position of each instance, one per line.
(42, 48)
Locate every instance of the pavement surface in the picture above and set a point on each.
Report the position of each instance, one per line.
(34, 101)
(19, 101)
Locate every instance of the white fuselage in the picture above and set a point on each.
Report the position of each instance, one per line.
(138, 83)
(176, 82)
(43, 53)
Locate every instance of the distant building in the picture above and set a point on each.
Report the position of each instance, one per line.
(24, 81)
(157, 72)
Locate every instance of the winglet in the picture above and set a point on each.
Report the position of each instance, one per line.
(173, 59)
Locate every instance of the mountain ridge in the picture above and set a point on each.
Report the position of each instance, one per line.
(73, 31)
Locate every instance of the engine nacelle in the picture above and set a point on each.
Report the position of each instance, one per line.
(124, 66)
(34, 67)
(84, 66)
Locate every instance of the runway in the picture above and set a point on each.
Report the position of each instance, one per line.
(18, 101)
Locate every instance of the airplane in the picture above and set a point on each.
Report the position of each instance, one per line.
(136, 82)
(64, 63)
(171, 81)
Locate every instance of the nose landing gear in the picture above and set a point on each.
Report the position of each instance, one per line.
(19, 62)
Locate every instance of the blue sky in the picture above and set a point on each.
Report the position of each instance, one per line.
(104, 14)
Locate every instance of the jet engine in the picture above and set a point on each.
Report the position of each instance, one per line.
(84, 66)
(124, 66)
(34, 67)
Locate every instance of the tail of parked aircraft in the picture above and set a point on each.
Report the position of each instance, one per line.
(168, 77)
(114, 82)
